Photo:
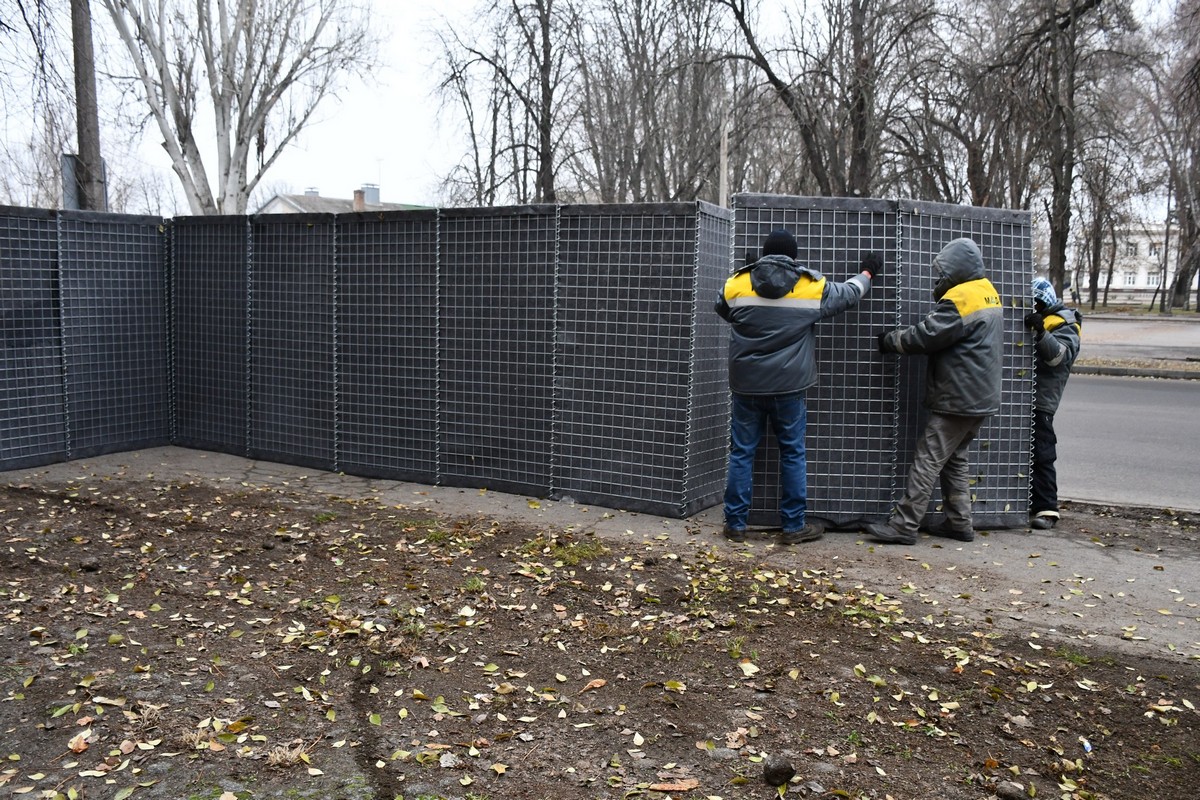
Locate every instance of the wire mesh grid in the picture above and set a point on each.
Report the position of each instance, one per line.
(709, 392)
(114, 321)
(291, 307)
(33, 426)
(626, 299)
(563, 350)
(209, 284)
(496, 347)
(999, 457)
(852, 409)
(387, 345)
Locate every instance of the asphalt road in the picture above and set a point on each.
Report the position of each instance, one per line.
(1173, 338)
(1130, 441)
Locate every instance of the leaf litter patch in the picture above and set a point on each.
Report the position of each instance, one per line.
(184, 640)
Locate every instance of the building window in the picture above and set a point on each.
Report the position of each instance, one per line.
(1154, 248)
(1131, 279)
(1131, 248)
(1154, 278)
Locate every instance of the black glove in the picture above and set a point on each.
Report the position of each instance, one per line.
(1036, 323)
(871, 263)
(881, 338)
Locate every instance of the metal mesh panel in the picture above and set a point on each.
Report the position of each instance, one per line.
(496, 347)
(32, 416)
(387, 345)
(114, 324)
(209, 332)
(292, 339)
(852, 409)
(626, 300)
(569, 351)
(707, 440)
(999, 457)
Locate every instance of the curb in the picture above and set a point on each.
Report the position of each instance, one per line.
(1180, 316)
(1127, 372)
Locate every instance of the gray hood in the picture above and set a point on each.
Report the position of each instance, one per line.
(960, 261)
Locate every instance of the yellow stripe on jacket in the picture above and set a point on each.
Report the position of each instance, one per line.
(1054, 321)
(807, 293)
(973, 296)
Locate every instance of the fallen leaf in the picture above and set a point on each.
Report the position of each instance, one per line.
(593, 684)
(684, 785)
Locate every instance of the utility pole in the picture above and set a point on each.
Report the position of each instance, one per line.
(91, 190)
(723, 182)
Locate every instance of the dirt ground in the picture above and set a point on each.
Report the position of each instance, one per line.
(174, 639)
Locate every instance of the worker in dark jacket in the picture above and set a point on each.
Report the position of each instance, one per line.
(963, 338)
(771, 306)
(1056, 332)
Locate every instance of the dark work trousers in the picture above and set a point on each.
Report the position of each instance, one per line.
(1045, 453)
(941, 454)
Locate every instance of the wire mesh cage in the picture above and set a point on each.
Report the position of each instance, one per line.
(865, 413)
(33, 413)
(114, 310)
(560, 351)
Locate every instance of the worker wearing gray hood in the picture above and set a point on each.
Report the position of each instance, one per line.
(963, 339)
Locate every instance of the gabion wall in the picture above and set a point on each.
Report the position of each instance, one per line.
(865, 415)
(557, 351)
(84, 328)
(550, 350)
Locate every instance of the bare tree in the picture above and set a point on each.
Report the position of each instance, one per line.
(1183, 85)
(969, 134)
(844, 75)
(654, 97)
(36, 98)
(1107, 184)
(1059, 53)
(260, 68)
(514, 80)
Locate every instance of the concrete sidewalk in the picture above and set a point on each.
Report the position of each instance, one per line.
(1045, 585)
(1129, 341)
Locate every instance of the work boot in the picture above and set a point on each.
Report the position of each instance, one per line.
(1043, 520)
(734, 534)
(886, 533)
(946, 531)
(809, 533)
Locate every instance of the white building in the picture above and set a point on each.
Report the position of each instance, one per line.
(1139, 266)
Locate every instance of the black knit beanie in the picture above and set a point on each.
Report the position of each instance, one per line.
(780, 243)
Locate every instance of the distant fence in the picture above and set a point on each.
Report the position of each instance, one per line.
(556, 351)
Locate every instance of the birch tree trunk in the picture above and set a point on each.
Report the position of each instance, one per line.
(254, 70)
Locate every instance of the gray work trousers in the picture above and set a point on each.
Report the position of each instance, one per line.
(941, 454)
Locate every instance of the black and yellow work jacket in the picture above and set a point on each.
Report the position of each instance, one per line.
(1056, 350)
(963, 336)
(771, 306)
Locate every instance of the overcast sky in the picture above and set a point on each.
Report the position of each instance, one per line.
(387, 132)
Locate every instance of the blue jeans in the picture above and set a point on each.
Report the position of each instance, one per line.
(788, 415)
